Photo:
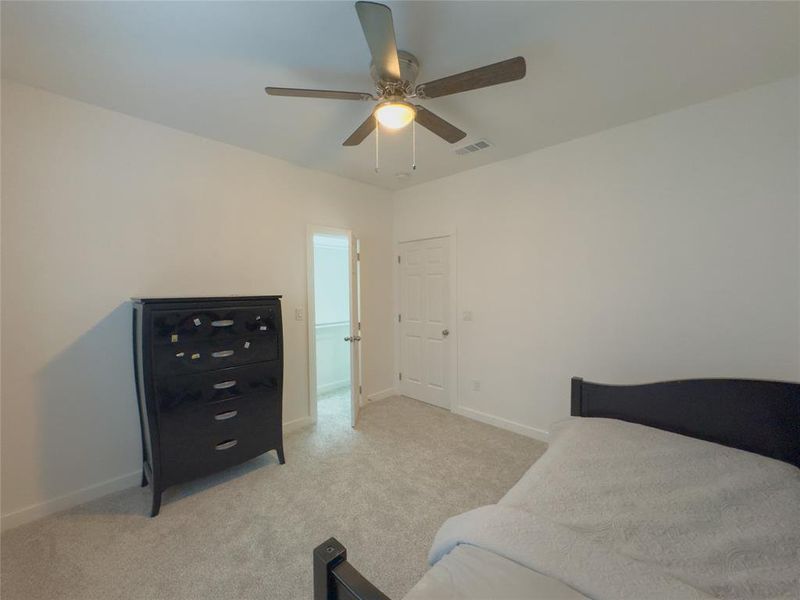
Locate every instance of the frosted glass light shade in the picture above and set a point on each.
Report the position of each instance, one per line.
(395, 115)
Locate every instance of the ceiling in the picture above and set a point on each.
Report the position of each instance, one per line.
(201, 67)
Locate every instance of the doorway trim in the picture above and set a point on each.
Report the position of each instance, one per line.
(453, 367)
(311, 318)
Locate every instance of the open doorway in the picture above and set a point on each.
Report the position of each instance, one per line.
(334, 326)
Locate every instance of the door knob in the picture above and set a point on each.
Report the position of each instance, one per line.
(348, 339)
(445, 332)
(356, 338)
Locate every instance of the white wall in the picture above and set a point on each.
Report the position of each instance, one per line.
(662, 249)
(332, 311)
(333, 357)
(665, 248)
(98, 207)
(331, 279)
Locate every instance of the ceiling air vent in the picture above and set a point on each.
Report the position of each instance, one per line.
(473, 147)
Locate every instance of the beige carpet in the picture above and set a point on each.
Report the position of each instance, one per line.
(383, 490)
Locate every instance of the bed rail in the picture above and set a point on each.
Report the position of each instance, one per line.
(337, 579)
(749, 414)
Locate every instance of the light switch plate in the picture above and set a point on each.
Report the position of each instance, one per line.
(468, 315)
(298, 313)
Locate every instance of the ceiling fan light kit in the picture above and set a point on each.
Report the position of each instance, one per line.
(395, 114)
(395, 73)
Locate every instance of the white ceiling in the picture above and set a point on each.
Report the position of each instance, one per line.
(201, 67)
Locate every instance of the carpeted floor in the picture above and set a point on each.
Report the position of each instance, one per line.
(382, 489)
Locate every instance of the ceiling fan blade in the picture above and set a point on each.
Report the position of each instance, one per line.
(329, 94)
(436, 124)
(502, 72)
(361, 133)
(376, 21)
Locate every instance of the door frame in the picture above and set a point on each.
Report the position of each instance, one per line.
(452, 370)
(311, 318)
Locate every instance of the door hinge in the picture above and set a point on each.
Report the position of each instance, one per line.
(399, 318)
(401, 376)
(398, 260)
(358, 255)
(359, 390)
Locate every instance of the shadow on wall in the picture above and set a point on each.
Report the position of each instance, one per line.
(89, 420)
(89, 423)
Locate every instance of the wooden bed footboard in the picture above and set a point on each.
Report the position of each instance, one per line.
(337, 579)
(749, 414)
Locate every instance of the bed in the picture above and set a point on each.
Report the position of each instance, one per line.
(674, 490)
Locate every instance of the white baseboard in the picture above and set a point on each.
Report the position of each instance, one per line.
(336, 385)
(296, 424)
(92, 492)
(382, 395)
(66, 501)
(526, 430)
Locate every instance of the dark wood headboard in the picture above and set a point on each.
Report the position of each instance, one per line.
(758, 416)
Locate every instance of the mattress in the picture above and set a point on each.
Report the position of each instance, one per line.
(617, 510)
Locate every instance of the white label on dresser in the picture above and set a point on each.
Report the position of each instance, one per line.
(197, 322)
(180, 355)
(247, 345)
(174, 338)
(195, 356)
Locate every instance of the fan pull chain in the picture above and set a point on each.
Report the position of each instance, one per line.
(414, 144)
(377, 144)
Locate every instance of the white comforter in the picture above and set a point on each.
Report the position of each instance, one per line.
(617, 510)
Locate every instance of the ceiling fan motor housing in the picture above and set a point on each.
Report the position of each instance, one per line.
(409, 68)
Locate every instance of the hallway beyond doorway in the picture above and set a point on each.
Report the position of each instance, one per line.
(334, 317)
(334, 405)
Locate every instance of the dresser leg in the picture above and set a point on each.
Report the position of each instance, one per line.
(281, 458)
(156, 502)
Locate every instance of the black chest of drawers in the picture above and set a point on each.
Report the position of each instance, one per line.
(209, 378)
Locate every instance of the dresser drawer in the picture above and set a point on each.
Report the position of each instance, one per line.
(188, 392)
(236, 418)
(219, 435)
(207, 355)
(181, 326)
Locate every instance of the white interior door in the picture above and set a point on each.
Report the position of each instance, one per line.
(424, 320)
(355, 329)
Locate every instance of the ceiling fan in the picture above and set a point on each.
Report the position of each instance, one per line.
(395, 73)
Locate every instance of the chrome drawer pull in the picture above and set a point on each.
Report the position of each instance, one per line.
(222, 353)
(222, 323)
(226, 445)
(226, 415)
(224, 385)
